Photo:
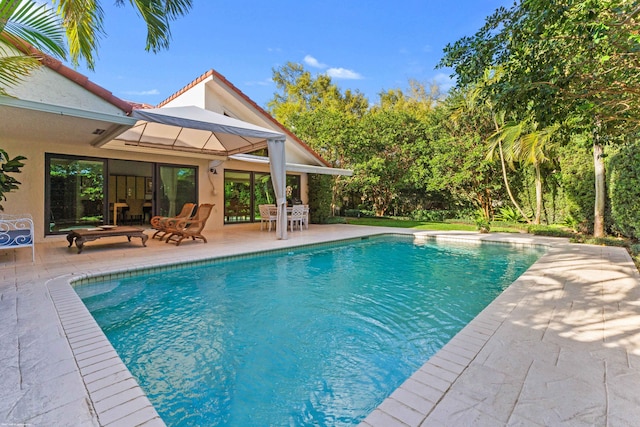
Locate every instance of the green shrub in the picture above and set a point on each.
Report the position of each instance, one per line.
(320, 198)
(551, 231)
(624, 190)
(358, 213)
(509, 214)
(578, 184)
(432, 215)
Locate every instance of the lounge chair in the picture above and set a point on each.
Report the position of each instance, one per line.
(191, 227)
(268, 215)
(162, 224)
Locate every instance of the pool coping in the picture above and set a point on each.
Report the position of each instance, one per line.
(116, 397)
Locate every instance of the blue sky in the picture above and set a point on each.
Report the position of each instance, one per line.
(370, 46)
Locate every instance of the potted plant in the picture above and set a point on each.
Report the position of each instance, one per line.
(7, 182)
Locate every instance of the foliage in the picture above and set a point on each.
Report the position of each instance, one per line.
(562, 60)
(320, 196)
(433, 215)
(34, 23)
(8, 166)
(358, 213)
(624, 188)
(83, 22)
(455, 161)
(550, 230)
(483, 223)
(562, 57)
(508, 214)
(578, 184)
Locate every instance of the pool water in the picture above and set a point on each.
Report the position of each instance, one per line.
(312, 337)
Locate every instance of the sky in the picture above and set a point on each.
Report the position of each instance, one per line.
(370, 46)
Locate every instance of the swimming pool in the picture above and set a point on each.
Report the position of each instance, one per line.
(316, 336)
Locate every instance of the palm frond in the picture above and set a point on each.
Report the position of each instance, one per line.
(83, 22)
(34, 23)
(13, 70)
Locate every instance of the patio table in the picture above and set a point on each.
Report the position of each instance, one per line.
(81, 236)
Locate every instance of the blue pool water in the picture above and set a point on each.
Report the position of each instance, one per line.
(312, 337)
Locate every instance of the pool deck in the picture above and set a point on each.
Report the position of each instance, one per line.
(561, 346)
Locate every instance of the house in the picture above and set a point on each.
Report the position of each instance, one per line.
(92, 159)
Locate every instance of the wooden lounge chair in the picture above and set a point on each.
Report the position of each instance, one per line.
(162, 224)
(191, 227)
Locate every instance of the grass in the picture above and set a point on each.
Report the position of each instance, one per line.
(425, 225)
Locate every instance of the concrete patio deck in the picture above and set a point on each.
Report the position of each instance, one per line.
(561, 346)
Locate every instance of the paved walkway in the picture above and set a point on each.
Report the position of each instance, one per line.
(561, 346)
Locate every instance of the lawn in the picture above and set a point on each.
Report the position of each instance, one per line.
(424, 225)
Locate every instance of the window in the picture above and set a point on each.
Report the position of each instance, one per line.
(74, 193)
(245, 191)
(83, 192)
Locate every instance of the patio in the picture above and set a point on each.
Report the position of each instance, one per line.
(559, 347)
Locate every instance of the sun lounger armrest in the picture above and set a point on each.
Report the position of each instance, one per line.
(16, 231)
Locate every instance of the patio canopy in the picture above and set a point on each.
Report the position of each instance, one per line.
(196, 130)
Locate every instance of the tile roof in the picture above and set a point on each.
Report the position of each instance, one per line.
(74, 76)
(260, 110)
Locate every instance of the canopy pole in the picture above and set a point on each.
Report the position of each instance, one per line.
(277, 167)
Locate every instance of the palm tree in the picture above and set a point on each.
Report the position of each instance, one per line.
(79, 22)
(26, 21)
(82, 21)
(474, 102)
(524, 142)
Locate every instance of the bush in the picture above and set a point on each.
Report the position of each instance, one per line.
(432, 215)
(508, 214)
(320, 198)
(578, 185)
(358, 213)
(551, 231)
(624, 190)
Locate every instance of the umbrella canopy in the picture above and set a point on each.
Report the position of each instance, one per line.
(195, 129)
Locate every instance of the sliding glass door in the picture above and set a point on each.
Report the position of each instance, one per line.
(176, 186)
(75, 189)
(84, 192)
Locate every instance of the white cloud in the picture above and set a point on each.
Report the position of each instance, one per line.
(265, 82)
(313, 62)
(343, 73)
(143, 92)
(444, 81)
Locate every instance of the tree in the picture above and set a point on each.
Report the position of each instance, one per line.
(562, 59)
(83, 22)
(458, 160)
(524, 142)
(26, 21)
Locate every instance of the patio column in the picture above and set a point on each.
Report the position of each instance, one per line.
(277, 165)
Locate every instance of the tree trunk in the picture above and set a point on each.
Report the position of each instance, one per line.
(598, 163)
(506, 184)
(538, 193)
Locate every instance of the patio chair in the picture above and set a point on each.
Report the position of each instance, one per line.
(162, 223)
(296, 216)
(305, 217)
(268, 214)
(135, 213)
(191, 227)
